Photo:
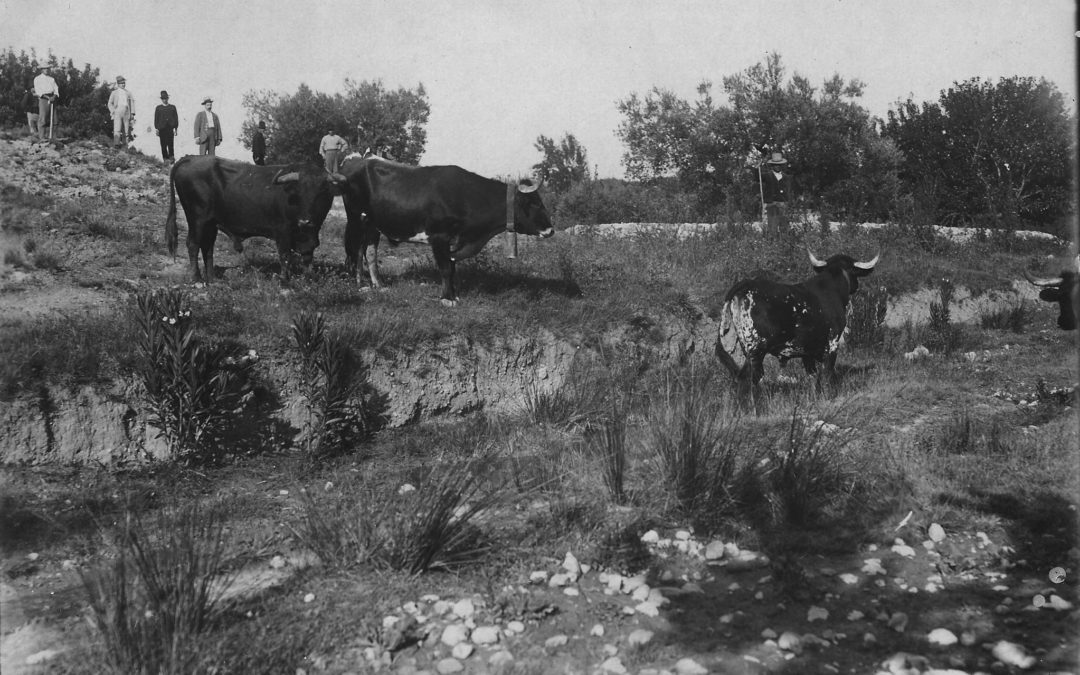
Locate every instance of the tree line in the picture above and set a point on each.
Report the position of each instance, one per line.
(995, 154)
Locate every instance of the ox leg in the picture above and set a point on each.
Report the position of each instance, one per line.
(284, 251)
(362, 245)
(441, 250)
(204, 245)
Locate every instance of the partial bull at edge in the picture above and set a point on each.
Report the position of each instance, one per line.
(286, 203)
(456, 211)
(807, 321)
(1065, 291)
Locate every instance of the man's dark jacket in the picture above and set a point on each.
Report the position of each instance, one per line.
(165, 118)
(775, 190)
(258, 147)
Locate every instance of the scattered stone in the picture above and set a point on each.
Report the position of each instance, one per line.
(869, 638)
(817, 614)
(688, 666)
(968, 639)
(902, 663)
(647, 608)
(556, 641)
(614, 582)
(462, 650)
(500, 658)
(406, 488)
(610, 649)
(441, 607)
(769, 634)
(811, 640)
(641, 593)
(727, 618)
(936, 533)
(453, 634)
(277, 562)
(855, 615)
(613, 665)
(849, 578)
(486, 635)
(715, 550)
(639, 637)
(447, 666)
(310, 597)
(45, 655)
(682, 535)
(597, 630)
(538, 577)
(389, 621)
(1059, 603)
(1012, 654)
(903, 550)
(898, 622)
(571, 591)
(559, 580)
(872, 566)
(790, 642)
(650, 537)
(516, 627)
(572, 566)
(942, 637)
(464, 608)
(630, 584)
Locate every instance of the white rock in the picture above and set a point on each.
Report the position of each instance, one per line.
(682, 535)
(688, 666)
(790, 642)
(610, 649)
(448, 666)
(277, 562)
(855, 615)
(37, 658)
(597, 630)
(639, 637)
(310, 597)
(500, 658)
(406, 488)
(657, 598)
(715, 550)
(613, 665)
(817, 614)
(559, 580)
(903, 550)
(453, 634)
(464, 608)
(650, 537)
(462, 650)
(556, 641)
(691, 587)
(731, 549)
(898, 622)
(571, 591)
(630, 584)
(869, 638)
(1012, 654)
(572, 566)
(942, 637)
(641, 593)
(734, 586)
(485, 635)
(614, 581)
(872, 566)
(516, 627)
(538, 577)
(727, 618)
(769, 634)
(1059, 603)
(936, 533)
(811, 640)
(441, 607)
(389, 621)
(849, 578)
(647, 608)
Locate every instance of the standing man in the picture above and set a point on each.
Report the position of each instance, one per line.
(166, 122)
(47, 93)
(330, 148)
(207, 128)
(775, 193)
(30, 106)
(258, 145)
(122, 111)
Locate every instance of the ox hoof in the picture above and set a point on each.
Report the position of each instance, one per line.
(449, 303)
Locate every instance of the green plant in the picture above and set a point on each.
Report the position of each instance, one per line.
(327, 384)
(161, 591)
(866, 320)
(45, 260)
(193, 391)
(399, 525)
(943, 336)
(607, 442)
(1013, 318)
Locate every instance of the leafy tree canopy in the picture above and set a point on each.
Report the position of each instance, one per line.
(389, 122)
(81, 108)
(564, 163)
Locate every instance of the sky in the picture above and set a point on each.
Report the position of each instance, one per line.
(499, 74)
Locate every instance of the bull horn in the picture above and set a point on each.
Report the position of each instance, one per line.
(1040, 281)
(292, 177)
(814, 261)
(525, 186)
(868, 265)
(336, 177)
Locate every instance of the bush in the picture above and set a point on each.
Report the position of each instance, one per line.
(161, 591)
(1014, 318)
(867, 318)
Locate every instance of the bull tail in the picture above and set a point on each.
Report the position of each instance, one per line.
(170, 221)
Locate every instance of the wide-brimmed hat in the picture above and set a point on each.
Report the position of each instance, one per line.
(777, 158)
(120, 78)
(207, 100)
(164, 94)
(262, 125)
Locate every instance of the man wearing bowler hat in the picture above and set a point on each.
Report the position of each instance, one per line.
(775, 193)
(166, 122)
(207, 128)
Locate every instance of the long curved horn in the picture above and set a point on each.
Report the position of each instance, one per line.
(292, 177)
(1040, 281)
(525, 186)
(818, 264)
(868, 265)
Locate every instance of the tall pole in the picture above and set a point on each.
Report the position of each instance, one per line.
(52, 117)
(761, 191)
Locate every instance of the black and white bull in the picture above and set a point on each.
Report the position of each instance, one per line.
(1065, 291)
(286, 203)
(455, 211)
(807, 320)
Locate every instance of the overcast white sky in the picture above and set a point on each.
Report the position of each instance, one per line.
(498, 74)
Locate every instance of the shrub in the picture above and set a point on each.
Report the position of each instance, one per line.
(163, 589)
(944, 336)
(867, 318)
(193, 391)
(1014, 318)
(45, 260)
(327, 384)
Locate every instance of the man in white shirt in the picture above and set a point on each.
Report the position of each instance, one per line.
(122, 111)
(331, 148)
(47, 92)
(207, 128)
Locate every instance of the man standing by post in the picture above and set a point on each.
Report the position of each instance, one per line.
(258, 145)
(207, 128)
(122, 110)
(47, 93)
(166, 122)
(330, 148)
(775, 193)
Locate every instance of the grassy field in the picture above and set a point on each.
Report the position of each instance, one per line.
(329, 557)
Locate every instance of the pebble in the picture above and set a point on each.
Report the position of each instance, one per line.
(447, 666)
(872, 566)
(769, 634)
(37, 658)
(650, 537)
(641, 593)
(516, 627)
(277, 562)
(1012, 654)
(571, 591)
(942, 637)
(630, 584)
(453, 634)
(486, 635)
(462, 650)
(647, 608)
(936, 533)
(817, 614)
(613, 665)
(639, 637)
(572, 566)
(556, 641)
(682, 535)
(688, 666)
(790, 642)
(898, 622)
(558, 580)
(538, 577)
(715, 550)
(310, 597)
(500, 658)
(464, 608)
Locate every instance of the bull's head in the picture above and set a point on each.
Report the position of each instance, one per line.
(851, 269)
(1065, 291)
(308, 198)
(530, 214)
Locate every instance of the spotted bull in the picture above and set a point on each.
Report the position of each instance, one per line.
(807, 320)
(455, 211)
(286, 203)
(1065, 291)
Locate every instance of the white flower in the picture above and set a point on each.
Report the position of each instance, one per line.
(172, 321)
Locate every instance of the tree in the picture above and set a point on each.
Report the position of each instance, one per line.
(714, 149)
(81, 107)
(366, 114)
(995, 152)
(564, 164)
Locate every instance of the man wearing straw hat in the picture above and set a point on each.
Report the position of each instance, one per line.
(47, 93)
(207, 128)
(775, 193)
(122, 111)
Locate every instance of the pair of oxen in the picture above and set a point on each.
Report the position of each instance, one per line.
(457, 212)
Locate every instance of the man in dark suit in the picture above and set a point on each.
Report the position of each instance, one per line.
(166, 122)
(258, 145)
(775, 193)
(207, 128)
